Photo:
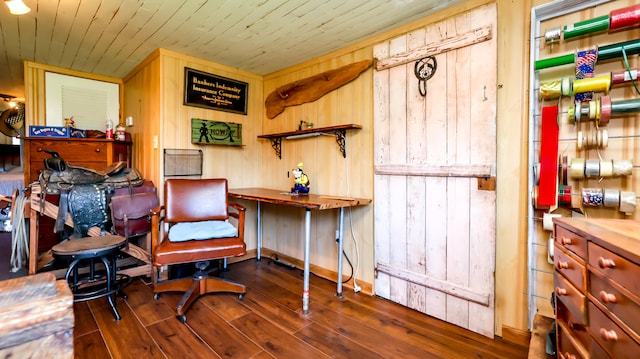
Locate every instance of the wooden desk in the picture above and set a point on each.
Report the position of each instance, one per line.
(308, 202)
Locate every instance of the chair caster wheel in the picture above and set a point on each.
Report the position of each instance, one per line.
(182, 318)
(156, 296)
(241, 296)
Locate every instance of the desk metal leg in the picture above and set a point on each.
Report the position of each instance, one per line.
(259, 219)
(340, 250)
(307, 241)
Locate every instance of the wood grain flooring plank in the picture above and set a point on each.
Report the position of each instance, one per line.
(140, 299)
(90, 345)
(226, 305)
(367, 317)
(176, 340)
(275, 340)
(382, 343)
(224, 339)
(126, 338)
(432, 329)
(283, 295)
(285, 318)
(380, 311)
(262, 355)
(83, 320)
(261, 325)
(332, 343)
(436, 342)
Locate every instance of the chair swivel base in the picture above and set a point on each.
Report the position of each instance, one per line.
(194, 287)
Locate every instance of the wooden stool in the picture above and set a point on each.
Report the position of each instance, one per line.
(94, 284)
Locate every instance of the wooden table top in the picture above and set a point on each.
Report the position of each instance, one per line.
(309, 201)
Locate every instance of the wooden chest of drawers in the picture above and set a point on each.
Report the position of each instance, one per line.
(597, 287)
(86, 152)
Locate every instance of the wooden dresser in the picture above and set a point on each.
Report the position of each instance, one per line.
(92, 153)
(597, 287)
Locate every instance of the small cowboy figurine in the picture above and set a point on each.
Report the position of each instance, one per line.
(301, 182)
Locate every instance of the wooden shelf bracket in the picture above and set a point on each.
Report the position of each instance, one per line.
(341, 140)
(339, 131)
(276, 143)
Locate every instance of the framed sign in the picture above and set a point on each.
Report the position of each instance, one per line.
(214, 92)
(204, 132)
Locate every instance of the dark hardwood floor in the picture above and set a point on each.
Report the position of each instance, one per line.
(268, 323)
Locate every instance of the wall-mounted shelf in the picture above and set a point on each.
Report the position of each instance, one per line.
(339, 131)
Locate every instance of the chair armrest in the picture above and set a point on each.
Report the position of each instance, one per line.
(156, 218)
(237, 207)
(239, 215)
(157, 210)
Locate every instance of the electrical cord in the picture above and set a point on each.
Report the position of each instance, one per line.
(354, 272)
(348, 261)
(350, 265)
(356, 287)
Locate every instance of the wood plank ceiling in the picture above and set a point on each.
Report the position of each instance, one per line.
(110, 37)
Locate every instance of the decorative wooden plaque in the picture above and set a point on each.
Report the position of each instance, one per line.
(204, 132)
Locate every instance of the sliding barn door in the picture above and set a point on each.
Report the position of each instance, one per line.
(434, 182)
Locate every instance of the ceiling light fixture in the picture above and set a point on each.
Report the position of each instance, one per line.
(17, 7)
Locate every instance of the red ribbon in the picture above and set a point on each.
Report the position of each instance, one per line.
(548, 157)
(623, 18)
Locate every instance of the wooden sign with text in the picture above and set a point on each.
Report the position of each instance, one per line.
(214, 92)
(204, 132)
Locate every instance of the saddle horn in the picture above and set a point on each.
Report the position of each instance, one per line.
(55, 162)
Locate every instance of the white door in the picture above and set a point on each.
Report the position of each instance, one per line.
(434, 184)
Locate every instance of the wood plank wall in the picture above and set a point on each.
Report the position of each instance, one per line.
(154, 98)
(329, 172)
(257, 165)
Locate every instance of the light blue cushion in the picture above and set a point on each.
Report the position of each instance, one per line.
(187, 231)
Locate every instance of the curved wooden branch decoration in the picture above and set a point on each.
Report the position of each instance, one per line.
(312, 88)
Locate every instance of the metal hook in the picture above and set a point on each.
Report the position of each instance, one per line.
(424, 69)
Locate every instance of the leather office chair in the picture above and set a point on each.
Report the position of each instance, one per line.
(197, 228)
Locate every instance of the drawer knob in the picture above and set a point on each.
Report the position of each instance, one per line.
(563, 265)
(607, 297)
(97, 150)
(565, 241)
(606, 263)
(39, 149)
(608, 335)
(561, 291)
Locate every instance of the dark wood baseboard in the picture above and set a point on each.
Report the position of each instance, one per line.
(516, 336)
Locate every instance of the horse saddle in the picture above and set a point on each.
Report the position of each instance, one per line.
(83, 191)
